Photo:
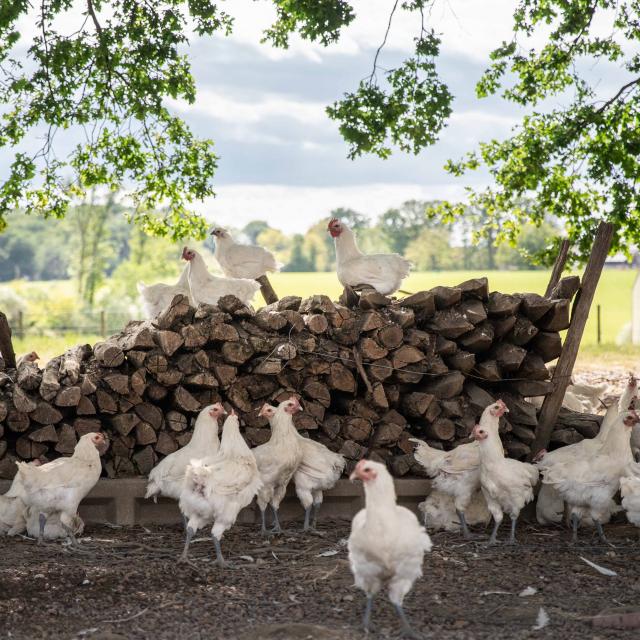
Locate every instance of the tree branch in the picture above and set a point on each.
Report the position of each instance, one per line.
(384, 41)
(624, 88)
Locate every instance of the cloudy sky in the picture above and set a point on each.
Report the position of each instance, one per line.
(283, 160)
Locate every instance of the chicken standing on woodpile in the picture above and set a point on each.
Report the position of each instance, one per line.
(387, 543)
(167, 477)
(242, 260)
(319, 471)
(57, 488)
(454, 473)
(157, 297)
(219, 488)
(507, 484)
(588, 484)
(382, 271)
(207, 288)
(32, 356)
(278, 460)
(549, 504)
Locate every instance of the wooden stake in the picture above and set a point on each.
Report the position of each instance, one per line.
(267, 291)
(6, 346)
(564, 368)
(558, 267)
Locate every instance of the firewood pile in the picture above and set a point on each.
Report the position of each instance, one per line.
(370, 375)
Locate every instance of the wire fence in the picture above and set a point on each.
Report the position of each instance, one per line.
(99, 322)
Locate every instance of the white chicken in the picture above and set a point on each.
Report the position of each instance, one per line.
(387, 543)
(630, 492)
(549, 504)
(58, 487)
(588, 484)
(319, 471)
(167, 477)
(242, 260)
(455, 473)
(219, 488)
(205, 287)
(382, 271)
(507, 484)
(13, 513)
(278, 460)
(157, 297)
(32, 356)
(439, 511)
(53, 528)
(16, 518)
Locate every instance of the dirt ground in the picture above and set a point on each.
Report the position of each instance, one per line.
(126, 583)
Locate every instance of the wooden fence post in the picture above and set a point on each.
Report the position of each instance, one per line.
(558, 267)
(553, 402)
(6, 346)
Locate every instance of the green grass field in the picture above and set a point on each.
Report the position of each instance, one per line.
(613, 296)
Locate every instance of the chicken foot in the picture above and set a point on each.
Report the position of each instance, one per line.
(276, 522)
(407, 630)
(601, 535)
(220, 561)
(311, 517)
(187, 542)
(366, 619)
(307, 515)
(494, 534)
(70, 534)
(463, 525)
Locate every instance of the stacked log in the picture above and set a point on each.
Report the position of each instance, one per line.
(370, 376)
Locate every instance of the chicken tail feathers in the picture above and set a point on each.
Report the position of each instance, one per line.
(141, 286)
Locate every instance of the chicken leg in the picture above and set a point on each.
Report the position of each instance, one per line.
(70, 533)
(220, 561)
(366, 619)
(494, 534)
(263, 519)
(276, 522)
(314, 514)
(574, 527)
(463, 525)
(187, 542)
(307, 515)
(512, 537)
(601, 535)
(42, 520)
(406, 627)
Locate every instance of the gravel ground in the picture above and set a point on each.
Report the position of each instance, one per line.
(126, 583)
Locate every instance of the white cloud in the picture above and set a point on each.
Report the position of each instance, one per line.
(264, 106)
(294, 209)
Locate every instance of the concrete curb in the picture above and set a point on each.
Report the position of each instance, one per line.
(122, 502)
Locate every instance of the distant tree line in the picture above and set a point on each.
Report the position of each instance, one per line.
(96, 243)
